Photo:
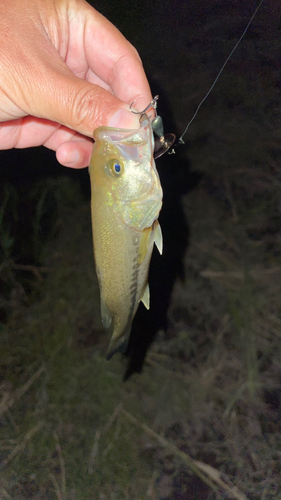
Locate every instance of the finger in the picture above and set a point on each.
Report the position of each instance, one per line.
(116, 62)
(83, 107)
(73, 149)
(112, 63)
(75, 154)
(91, 77)
(30, 131)
(77, 104)
(43, 86)
(108, 55)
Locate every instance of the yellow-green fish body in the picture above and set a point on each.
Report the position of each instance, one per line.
(126, 201)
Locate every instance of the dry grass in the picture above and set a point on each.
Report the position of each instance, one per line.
(203, 406)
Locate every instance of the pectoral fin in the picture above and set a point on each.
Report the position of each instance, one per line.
(146, 297)
(158, 238)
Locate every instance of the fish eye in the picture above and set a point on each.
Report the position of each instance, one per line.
(115, 167)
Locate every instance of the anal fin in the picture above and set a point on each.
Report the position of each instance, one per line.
(158, 238)
(146, 297)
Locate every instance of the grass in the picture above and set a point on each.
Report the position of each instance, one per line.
(71, 429)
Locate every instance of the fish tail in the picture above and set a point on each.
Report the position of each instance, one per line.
(119, 343)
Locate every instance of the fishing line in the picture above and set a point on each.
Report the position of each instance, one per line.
(181, 141)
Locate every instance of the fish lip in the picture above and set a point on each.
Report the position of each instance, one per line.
(144, 132)
(107, 130)
(103, 128)
(142, 124)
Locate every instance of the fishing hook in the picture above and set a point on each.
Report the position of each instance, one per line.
(152, 104)
(163, 142)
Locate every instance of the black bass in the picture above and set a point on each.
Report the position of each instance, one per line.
(125, 204)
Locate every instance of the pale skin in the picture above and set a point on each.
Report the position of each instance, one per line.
(64, 71)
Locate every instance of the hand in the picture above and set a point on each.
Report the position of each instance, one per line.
(64, 70)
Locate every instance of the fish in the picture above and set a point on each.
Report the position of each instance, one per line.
(126, 199)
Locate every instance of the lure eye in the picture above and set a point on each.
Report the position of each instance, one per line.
(115, 167)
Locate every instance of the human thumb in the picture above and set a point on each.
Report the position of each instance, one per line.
(82, 106)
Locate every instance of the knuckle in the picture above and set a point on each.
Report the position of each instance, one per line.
(86, 108)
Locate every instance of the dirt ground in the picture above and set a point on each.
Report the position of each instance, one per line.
(193, 410)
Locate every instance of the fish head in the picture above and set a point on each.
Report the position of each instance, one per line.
(123, 168)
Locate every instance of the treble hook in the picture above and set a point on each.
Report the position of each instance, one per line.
(163, 142)
(152, 104)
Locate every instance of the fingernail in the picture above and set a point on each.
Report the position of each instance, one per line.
(124, 119)
(72, 157)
